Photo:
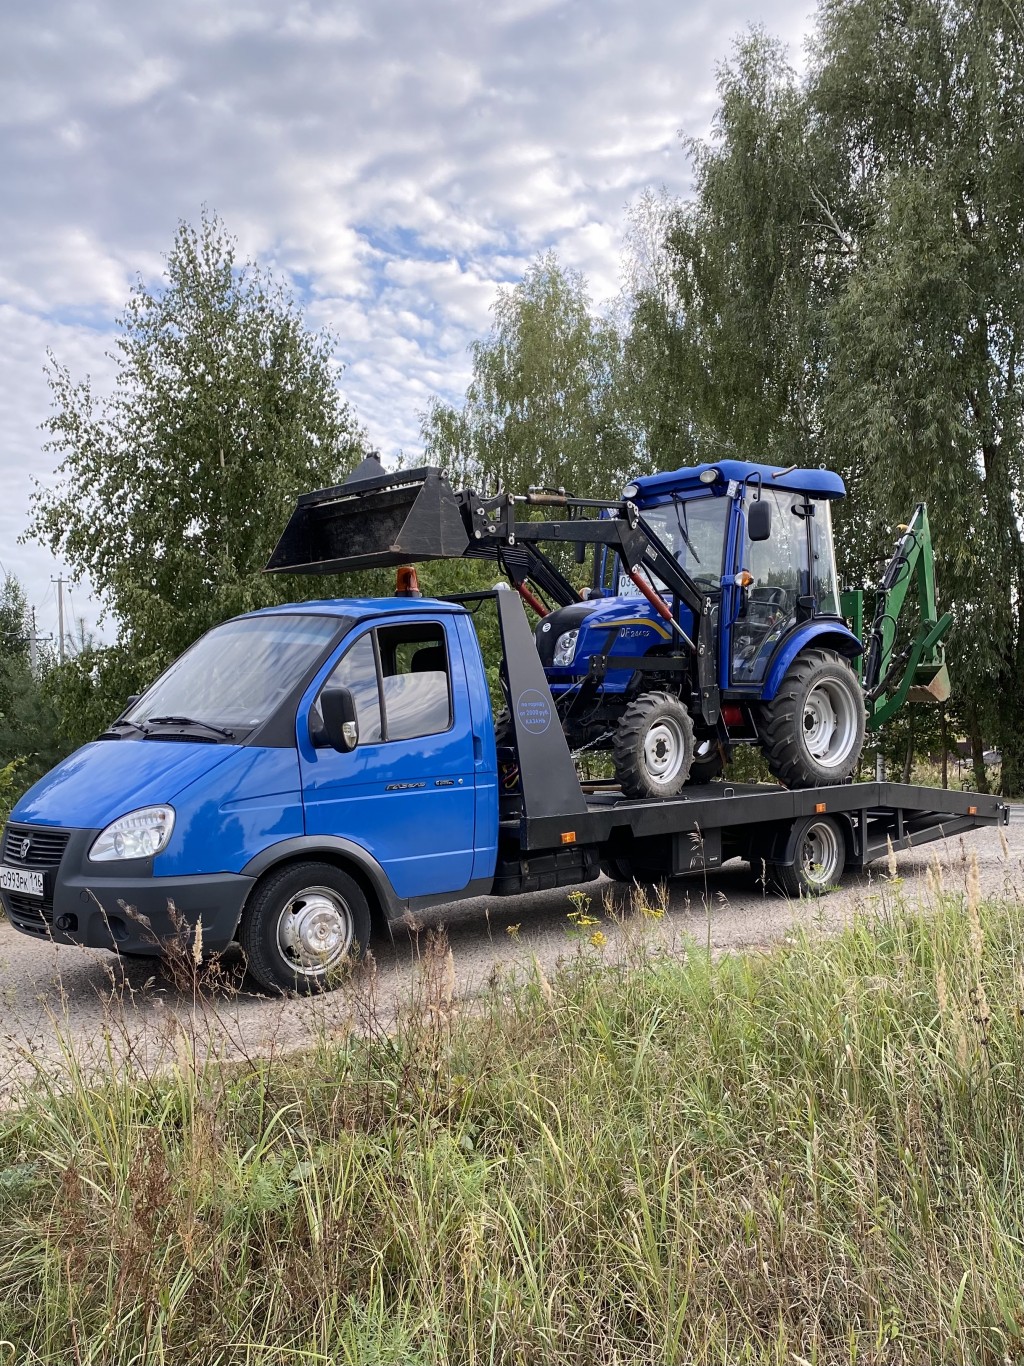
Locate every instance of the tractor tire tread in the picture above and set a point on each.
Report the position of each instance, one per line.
(627, 745)
(782, 716)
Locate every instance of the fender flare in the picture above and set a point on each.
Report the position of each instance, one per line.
(776, 844)
(833, 635)
(336, 849)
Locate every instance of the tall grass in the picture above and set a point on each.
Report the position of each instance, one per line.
(812, 1155)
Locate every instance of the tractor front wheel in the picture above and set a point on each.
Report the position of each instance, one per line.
(812, 730)
(653, 746)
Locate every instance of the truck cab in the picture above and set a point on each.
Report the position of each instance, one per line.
(224, 777)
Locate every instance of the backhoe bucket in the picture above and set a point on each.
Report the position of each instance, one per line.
(931, 684)
(374, 520)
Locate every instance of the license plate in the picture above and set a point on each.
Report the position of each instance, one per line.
(27, 881)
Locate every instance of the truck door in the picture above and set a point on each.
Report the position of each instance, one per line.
(406, 792)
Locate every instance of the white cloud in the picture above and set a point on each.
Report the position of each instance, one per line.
(397, 159)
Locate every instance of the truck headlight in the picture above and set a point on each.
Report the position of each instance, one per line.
(140, 834)
(565, 649)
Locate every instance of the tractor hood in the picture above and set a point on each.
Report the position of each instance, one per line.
(626, 625)
(109, 778)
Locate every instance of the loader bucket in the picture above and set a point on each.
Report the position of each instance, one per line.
(931, 684)
(374, 520)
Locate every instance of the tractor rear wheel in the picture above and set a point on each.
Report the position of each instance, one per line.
(653, 746)
(812, 730)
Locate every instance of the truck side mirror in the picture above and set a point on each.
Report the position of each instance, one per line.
(759, 520)
(338, 708)
(130, 701)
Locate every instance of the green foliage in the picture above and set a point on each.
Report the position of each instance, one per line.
(11, 786)
(29, 743)
(541, 407)
(848, 293)
(808, 1155)
(173, 489)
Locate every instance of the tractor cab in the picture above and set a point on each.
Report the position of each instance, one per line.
(754, 539)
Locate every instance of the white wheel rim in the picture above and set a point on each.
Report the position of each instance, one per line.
(829, 724)
(819, 854)
(664, 750)
(315, 931)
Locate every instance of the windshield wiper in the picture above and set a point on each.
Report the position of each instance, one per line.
(682, 531)
(182, 721)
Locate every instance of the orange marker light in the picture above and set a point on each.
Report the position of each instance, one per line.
(820, 807)
(744, 578)
(568, 836)
(407, 585)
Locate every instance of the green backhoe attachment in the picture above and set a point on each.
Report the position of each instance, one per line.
(917, 671)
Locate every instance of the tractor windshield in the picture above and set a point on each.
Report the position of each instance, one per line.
(694, 532)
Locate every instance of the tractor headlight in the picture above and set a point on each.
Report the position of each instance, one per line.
(565, 649)
(140, 834)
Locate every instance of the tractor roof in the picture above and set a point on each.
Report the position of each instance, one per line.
(819, 483)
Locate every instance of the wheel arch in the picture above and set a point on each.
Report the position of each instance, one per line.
(777, 843)
(840, 818)
(831, 635)
(346, 855)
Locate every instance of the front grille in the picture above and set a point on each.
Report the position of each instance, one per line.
(44, 850)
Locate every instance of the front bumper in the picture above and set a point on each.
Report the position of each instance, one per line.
(124, 908)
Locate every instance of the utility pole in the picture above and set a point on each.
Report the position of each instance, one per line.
(59, 581)
(33, 648)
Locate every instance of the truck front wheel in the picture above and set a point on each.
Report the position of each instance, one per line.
(812, 730)
(653, 746)
(302, 924)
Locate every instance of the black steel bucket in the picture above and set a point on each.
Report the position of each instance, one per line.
(374, 520)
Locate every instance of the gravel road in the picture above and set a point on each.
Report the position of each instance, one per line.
(56, 998)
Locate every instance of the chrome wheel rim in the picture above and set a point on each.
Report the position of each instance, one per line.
(315, 930)
(664, 750)
(819, 854)
(829, 724)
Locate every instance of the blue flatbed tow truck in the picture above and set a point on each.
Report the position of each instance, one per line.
(303, 775)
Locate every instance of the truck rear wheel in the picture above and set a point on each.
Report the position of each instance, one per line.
(653, 746)
(302, 924)
(820, 859)
(812, 730)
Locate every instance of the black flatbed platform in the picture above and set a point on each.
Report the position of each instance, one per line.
(707, 826)
(905, 814)
(555, 830)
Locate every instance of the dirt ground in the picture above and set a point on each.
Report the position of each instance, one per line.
(55, 1000)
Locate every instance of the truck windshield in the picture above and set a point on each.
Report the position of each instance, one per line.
(237, 674)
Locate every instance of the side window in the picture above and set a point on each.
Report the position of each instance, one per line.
(356, 670)
(414, 674)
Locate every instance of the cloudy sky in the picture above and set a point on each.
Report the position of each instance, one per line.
(397, 160)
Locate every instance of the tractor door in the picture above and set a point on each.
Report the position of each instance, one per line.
(781, 569)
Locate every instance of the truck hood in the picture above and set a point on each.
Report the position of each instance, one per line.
(108, 778)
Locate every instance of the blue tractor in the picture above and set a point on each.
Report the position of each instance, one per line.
(756, 543)
(712, 618)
